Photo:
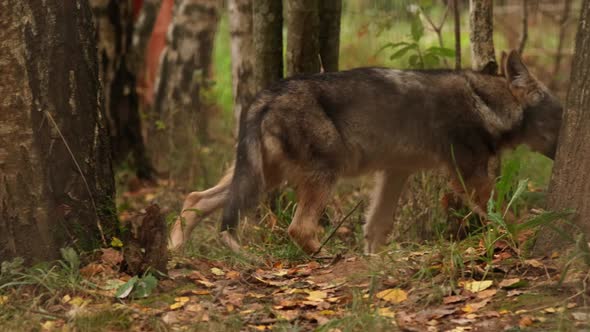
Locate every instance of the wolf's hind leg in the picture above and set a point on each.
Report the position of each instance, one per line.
(388, 187)
(312, 198)
(197, 206)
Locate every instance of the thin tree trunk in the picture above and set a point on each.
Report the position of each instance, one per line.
(114, 24)
(525, 26)
(268, 42)
(481, 23)
(56, 180)
(569, 187)
(242, 54)
(303, 46)
(329, 39)
(184, 72)
(142, 31)
(560, 42)
(457, 17)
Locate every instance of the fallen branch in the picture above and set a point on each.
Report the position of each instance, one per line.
(336, 228)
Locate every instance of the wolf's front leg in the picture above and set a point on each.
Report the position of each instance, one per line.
(312, 198)
(388, 187)
(196, 206)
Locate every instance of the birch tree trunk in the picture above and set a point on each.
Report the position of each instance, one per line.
(184, 73)
(56, 180)
(569, 187)
(481, 36)
(268, 42)
(303, 46)
(329, 39)
(142, 31)
(242, 54)
(114, 24)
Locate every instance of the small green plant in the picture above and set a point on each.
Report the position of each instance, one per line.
(62, 276)
(418, 56)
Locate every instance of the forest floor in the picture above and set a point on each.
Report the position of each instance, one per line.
(464, 285)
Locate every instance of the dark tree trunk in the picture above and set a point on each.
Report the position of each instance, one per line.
(268, 42)
(242, 54)
(330, 13)
(457, 20)
(481, 36)
(570, 182)
(184, 74)
(56, 180)
(303, 47)
(114, 25)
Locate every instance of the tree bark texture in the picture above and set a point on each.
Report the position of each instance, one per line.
(184, 71)
(114, 25)
(569, 187)
(329, 39)
(268, 42)
(142, 31)
(242, 54)
(56, 180)
(481, 24)
(303, 47)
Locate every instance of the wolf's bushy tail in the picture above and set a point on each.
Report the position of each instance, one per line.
(248, 182)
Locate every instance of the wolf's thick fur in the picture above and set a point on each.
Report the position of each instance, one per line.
(312, 130)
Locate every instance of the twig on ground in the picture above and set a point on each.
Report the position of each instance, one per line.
(336, 228)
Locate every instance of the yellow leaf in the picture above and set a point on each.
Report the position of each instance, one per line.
(386, 312)
(200, 292)
(217, 271)
(180, 302)
(393, 295)
(206, 283)
(48, 325)
(327, 312)
(478, 286)
(317, 296)
(3, 299)
(78, 301)
(66, 298)
(176, 305)
(116, 242)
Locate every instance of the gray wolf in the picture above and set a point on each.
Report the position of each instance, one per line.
(312, 130)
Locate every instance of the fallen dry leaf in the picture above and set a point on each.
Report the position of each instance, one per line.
(534, 263)
(393, 295)
(317, 296)
(386, 312)
(512, 283)
(111, 256)
(179, 302)
(478, 286)
(453, 299)
(581, 316)
(486, 293)
(217, 271)
(525, 321)
(475, 306)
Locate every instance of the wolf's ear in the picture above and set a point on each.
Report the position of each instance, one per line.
(521, 83)
(514, 69)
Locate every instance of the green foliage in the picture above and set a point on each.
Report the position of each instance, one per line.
(418, 57)
(62, 276)
(138, 287)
